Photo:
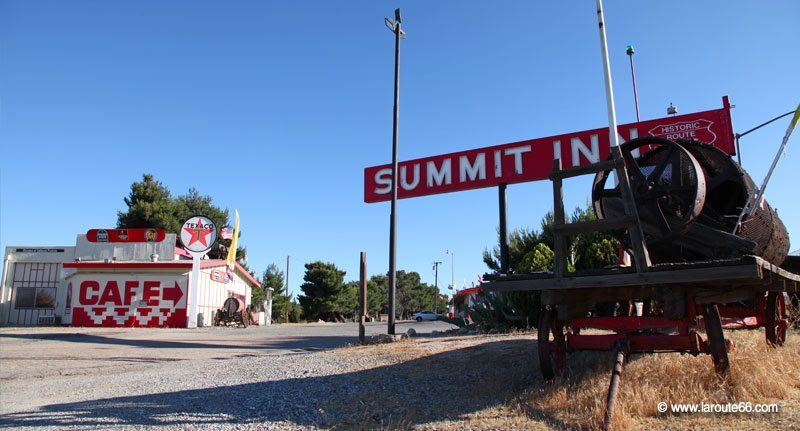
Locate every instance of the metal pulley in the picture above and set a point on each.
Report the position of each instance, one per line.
(689, 195)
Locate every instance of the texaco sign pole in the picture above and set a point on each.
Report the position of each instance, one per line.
(197, 235)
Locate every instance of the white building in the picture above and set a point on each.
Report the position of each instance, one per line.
(113, 284)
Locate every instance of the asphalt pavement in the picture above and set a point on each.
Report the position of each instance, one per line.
(47, 351)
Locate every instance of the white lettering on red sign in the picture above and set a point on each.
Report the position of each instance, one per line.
(468, 171)
(532, 160)
(147, 301)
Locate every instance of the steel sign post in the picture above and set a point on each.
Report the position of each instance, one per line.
(398, 32)
(197, 235)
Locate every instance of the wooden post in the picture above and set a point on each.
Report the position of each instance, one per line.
(362, 299)
(560, 252)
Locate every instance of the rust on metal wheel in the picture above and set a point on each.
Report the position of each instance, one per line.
(716, 338)
(552, 350)
(776, 323)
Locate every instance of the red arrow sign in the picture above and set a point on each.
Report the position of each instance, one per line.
(174, 294)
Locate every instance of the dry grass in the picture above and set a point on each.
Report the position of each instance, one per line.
(759, 374)
(493, 382)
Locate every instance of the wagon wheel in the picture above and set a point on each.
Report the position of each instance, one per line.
(716, 338)
(667, 183)
(552, 351)
(245, 318)
(776, 323)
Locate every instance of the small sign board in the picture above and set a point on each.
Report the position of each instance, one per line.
(219, 276)
(198, 234)
(126, 235)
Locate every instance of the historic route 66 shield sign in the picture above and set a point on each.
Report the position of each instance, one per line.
(198, 234)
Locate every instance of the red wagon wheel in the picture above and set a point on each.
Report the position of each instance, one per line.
(716, 338)
(775, 325)
(552, 350)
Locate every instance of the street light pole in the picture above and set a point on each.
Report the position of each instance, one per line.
(394, 26)
(286, 292)
(630, 51)
(452, 271)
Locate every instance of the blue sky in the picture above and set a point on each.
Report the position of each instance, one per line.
(274, 109)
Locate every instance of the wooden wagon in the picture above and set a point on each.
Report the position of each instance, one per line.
(668, 186)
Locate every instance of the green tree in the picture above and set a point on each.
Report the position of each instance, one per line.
(411, 295)
(584, 251)
(295, 312)
(377, 294)
(150, 204)
(324, 293)
(532, 251)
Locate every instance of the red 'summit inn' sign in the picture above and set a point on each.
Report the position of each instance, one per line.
(533, 159)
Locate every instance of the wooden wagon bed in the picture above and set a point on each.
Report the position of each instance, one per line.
(749, 271)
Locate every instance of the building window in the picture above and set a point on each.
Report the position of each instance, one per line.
(35, 284)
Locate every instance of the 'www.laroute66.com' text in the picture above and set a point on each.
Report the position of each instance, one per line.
(742, 407)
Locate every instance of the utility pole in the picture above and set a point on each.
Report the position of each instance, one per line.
(436, 284)
(286, 293)
(394, 26)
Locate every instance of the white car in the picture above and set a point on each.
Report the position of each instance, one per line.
(424, 315)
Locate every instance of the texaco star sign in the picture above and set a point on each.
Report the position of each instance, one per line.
(198, 234)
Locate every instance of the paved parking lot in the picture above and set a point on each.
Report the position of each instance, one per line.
(53, 351)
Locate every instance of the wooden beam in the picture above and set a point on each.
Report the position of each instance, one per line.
(722, 275)
(606, 165)
(595, 225)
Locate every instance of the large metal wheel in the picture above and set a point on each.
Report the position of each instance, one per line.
(552, 350)
(716, 338)
(776, 322)
(667, 183)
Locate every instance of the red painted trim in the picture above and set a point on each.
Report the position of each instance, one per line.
(131, 265)
(216, 263)
(637, 343)
(181, 252)
(627, 324)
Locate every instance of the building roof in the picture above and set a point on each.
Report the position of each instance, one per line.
(469, 291)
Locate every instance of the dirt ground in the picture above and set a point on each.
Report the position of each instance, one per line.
(444, 383)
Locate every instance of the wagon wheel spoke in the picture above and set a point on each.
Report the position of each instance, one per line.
(661, 191)
(609, 193)
(662, 164)
(633, 167)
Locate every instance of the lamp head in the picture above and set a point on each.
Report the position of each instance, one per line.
(672, 109)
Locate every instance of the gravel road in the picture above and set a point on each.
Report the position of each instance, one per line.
(210, 378)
